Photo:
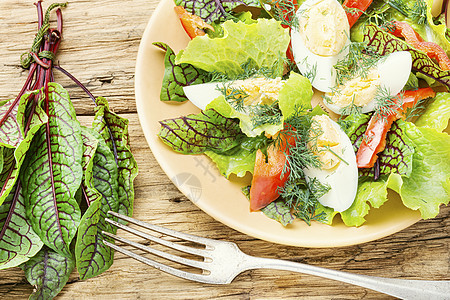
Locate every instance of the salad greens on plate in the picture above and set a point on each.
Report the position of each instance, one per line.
(328, 104)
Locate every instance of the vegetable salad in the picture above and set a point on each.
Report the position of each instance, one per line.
(377, 73)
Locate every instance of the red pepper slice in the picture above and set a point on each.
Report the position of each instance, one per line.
(433, 50)
(360, 6)
(192, 24)
(375, 135)
(268, 176)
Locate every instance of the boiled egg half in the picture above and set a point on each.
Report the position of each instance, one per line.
(254, 91)
(338, 168)
(320, 41)
(386, 78)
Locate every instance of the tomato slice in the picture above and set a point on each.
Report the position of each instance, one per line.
(375, 135)
(268, 173)
(192, 24)
(267, 177)
(354, 9)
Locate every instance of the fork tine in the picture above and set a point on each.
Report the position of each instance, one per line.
(160, 266)
(182, 248)
(166, 231)
(178, 259)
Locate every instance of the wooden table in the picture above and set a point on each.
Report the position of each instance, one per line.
(101, 39)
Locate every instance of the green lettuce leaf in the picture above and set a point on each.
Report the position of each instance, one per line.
(369, 192)
(439, 30)
(295, 94)
(246, 123)
(240, 159)
(48, 272)
(196, 133)
(428, 186)
(436, 114)
(263, 43)
(210, 10)
(385, 43)
(176, 76)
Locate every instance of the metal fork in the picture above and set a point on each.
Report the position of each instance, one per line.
(223, 261)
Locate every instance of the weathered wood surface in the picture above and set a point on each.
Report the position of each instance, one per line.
(101, 40)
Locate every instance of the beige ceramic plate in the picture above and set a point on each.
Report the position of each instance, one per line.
(201, 182)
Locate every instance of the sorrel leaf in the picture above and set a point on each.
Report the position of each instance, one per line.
(92, 255)
(12, 159)
(11, 131)
(48, 272)
(196, 133)
(108, 123)
(385, 43)
(53, 173)
(398, 153)
(18, 241)
(397, 157)
(176, 76)
(279, 211)
(211, 10)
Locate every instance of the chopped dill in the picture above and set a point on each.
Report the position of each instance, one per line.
(311, 70)
(328, 148)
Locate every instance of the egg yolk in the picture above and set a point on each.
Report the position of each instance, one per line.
(358, 91)
(325, 142)
(259, 90)
(324, 28)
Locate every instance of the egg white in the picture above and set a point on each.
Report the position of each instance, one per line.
(321, 67)
(342, 179)
(202, 94)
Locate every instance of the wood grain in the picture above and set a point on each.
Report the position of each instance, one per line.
(101, 40)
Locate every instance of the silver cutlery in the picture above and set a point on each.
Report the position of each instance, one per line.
(223, 261)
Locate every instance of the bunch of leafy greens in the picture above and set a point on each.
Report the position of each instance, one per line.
(415, 162)
(59, 179)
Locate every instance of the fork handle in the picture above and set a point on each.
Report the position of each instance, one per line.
(401, 288)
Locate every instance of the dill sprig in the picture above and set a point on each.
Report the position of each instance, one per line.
(416, 110)
(283, 11)
(418, 11)
(311, 69)
(264, 114)
(249, 69)
(385, 104)
(234, 96)
(302, 198)
(358, 62)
